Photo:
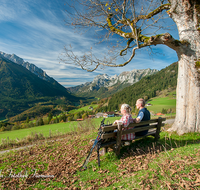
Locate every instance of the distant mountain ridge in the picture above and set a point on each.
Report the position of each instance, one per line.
(31, 67)
(104, 85)
(20, 89)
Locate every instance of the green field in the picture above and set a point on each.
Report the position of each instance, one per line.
(159, 103)
(171, 163)
(62, 128)
(85, 108)
(44, 129)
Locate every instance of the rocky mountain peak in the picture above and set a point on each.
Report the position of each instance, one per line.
(31, 67)
(125, 78)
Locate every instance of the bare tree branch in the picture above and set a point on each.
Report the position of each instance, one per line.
(120, 18)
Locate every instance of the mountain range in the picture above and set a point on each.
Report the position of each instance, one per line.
(20, 89)
(103, 85)
(29, 66)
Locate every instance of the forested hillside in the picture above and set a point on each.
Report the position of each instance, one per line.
(146, 88)
(20, 89)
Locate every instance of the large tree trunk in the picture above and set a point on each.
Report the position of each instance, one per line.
(186, 16)
(188, 99)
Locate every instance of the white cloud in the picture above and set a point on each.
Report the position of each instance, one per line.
(70, 84)
(10, 10)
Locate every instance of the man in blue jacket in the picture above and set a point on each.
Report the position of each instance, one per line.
(143, 115)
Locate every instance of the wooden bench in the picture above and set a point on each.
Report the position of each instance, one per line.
(111, 138)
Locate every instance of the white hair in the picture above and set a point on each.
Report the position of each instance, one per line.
(126, 107)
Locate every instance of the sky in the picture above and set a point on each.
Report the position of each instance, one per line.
(36, 32)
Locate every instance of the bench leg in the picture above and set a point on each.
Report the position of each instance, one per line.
(157, 136)
(119, 135)
(104, 150)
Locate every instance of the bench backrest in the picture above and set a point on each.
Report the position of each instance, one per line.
(109, 129)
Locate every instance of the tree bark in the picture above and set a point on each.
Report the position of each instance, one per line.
(186, 16)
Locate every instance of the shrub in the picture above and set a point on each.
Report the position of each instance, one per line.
(164, 111)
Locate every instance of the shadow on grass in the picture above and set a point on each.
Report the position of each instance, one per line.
(166, 142)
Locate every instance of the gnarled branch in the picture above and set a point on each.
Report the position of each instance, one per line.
(86, 61)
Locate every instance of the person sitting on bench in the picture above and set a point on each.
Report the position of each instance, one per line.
(125, 120)
(143, 115)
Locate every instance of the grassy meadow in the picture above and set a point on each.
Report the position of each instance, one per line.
(85, 108)
(173, 162)
(53, 129)
(159, 103)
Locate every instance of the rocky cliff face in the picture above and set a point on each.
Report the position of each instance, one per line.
(125, 78)
(31, 67)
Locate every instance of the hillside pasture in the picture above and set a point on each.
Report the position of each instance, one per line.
(161, 102)
(85, 108)
(171, 163)
(55, 129)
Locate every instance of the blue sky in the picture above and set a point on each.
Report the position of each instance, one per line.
(36, 32)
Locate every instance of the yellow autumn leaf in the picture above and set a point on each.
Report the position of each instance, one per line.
(116, 10)
(109, 8)
(106, 4)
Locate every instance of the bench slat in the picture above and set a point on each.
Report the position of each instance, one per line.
(109, 128)
(145, 122)
(113, 134)
(108, 144)
(140, 129)
(148, 134)
(109, 135)
(113, 127)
